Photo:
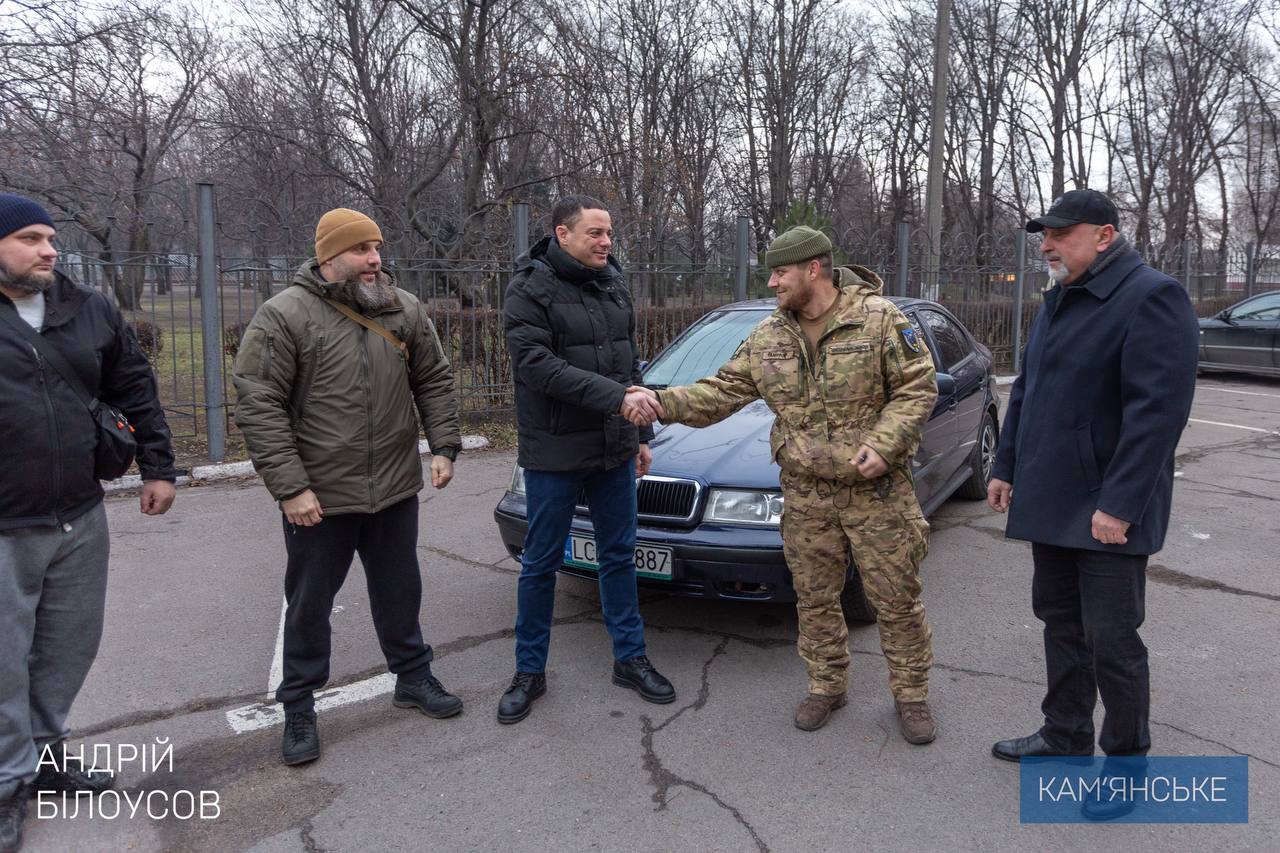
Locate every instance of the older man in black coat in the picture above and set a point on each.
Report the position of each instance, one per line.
(1085, 469)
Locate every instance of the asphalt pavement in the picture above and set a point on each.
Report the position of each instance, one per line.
(191, 648)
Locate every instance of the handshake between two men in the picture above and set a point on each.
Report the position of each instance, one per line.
(640, 406)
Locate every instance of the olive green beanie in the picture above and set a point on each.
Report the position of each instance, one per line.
(797, 244)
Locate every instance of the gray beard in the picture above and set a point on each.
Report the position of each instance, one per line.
(368, 298)
(28, 284)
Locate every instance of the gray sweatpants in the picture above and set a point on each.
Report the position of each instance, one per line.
(53, 588)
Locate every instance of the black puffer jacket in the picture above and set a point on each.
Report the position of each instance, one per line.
(571, 334)
(47, 436)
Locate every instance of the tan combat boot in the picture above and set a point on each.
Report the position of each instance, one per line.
(816, 709)
(916, 721)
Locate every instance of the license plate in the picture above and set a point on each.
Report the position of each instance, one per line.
(651, 562)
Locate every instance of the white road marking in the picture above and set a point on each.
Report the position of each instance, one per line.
(262, 715)
(1228, 390)
(277, 659)
(1234, 426)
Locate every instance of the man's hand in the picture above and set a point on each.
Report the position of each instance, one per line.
(1109, 530)
(640, 406)
(869, 463)
(999, 494)
(157, 497)
(303, 510)
(441, 471)
(644, 458)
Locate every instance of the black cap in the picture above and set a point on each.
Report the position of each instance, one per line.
(1074, 207)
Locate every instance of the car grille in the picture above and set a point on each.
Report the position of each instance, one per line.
(661, 499)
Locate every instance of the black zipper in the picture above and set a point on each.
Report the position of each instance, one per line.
(265, 373)
(57, 437)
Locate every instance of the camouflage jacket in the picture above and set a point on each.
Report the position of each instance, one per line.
(873, 384)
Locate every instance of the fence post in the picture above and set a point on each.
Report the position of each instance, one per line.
(1248, 270)
(520, 231)
(1186, 265)
(210, 322)
(904, 258)
(1019, 249)
(741, 257)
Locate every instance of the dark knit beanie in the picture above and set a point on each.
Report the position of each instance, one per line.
(797, 244)
(18, 212)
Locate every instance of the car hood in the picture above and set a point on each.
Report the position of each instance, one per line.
(734, 452)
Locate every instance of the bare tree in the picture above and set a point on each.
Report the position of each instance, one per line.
(97, 130)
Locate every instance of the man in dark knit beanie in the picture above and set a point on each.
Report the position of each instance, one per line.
(16, 214)
(53, 526)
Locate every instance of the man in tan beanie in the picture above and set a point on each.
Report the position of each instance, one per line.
(329, 375)
(852, 385)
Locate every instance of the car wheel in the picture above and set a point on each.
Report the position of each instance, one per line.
(981, 460)
(853, 601)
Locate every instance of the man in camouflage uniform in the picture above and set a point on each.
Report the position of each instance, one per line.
(851, 384)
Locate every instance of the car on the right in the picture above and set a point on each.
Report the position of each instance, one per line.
(1244, 338)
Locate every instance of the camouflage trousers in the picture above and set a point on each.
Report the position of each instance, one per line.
(879, 523)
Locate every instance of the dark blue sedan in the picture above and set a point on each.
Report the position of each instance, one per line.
(710, 506)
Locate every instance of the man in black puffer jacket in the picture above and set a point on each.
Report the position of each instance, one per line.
(53, 526)
(571, 333)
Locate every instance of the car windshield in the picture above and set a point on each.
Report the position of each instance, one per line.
(701, 351)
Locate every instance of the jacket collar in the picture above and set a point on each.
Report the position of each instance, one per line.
(62, 300)
(308, 277)
(547, 253)
(853, 284)
(1108, 279)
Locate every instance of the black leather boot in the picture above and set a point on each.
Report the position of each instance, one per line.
(639, 675)
(516, 703)
(301, 738)
(428, 696)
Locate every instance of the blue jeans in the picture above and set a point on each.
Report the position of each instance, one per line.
(551, 497)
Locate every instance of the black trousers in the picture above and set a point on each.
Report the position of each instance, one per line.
(1092, 603)
(319, 558)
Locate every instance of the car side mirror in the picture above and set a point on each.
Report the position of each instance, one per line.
(946, 385)
(643, 366)
(1225, 316)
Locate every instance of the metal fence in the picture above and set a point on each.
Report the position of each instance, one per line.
(190, 308)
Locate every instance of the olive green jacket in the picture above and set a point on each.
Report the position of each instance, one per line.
(328, 405)
(873, 383)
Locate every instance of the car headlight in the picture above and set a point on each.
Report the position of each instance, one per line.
(742, 507)
(517, 481)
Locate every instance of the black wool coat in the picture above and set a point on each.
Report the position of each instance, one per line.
(1095, 416)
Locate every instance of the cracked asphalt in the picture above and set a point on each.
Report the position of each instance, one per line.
(192, 618)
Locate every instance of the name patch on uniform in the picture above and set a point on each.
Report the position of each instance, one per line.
(778, 354)
(909, 337)
(849, 346)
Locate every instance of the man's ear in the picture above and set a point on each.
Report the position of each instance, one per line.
(562, 231)
(1106, 236)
